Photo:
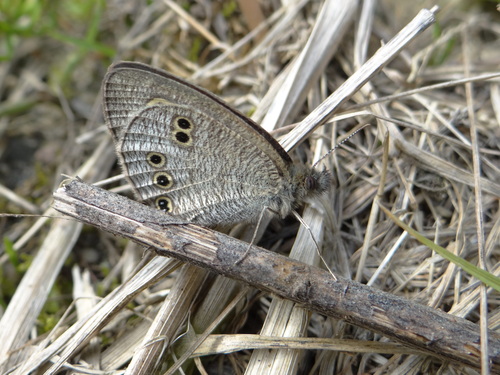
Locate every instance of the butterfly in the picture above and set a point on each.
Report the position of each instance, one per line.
(191, 155)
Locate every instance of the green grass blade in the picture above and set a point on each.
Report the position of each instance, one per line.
(484, 276)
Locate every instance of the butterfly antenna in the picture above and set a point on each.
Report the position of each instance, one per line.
(339, 144)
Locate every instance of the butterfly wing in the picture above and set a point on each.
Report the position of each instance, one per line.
(187, 152)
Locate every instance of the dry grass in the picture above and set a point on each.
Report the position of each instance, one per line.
(419, 157)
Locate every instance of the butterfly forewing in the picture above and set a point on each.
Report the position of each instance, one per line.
(128, 87)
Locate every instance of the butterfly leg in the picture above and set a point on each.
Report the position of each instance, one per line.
(252, 241)
(301, 221)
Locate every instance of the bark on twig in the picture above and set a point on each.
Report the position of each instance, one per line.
(427, 330)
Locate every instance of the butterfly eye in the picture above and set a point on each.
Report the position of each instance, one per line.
(155, 159)
(164, 204)
(310, 183)
(163, 180)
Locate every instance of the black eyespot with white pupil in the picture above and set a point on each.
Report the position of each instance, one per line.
(155, 159)
(182, 137)
(164, 204)
(163, 180)
(183, 123)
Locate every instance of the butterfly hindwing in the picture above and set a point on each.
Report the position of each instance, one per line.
(185, 162)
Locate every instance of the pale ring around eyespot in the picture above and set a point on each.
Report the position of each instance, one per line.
(164, 204)
(156, 160)
(163, 180)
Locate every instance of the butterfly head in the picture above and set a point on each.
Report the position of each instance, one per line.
(310, 182)
(305, 183)
(317, 182)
